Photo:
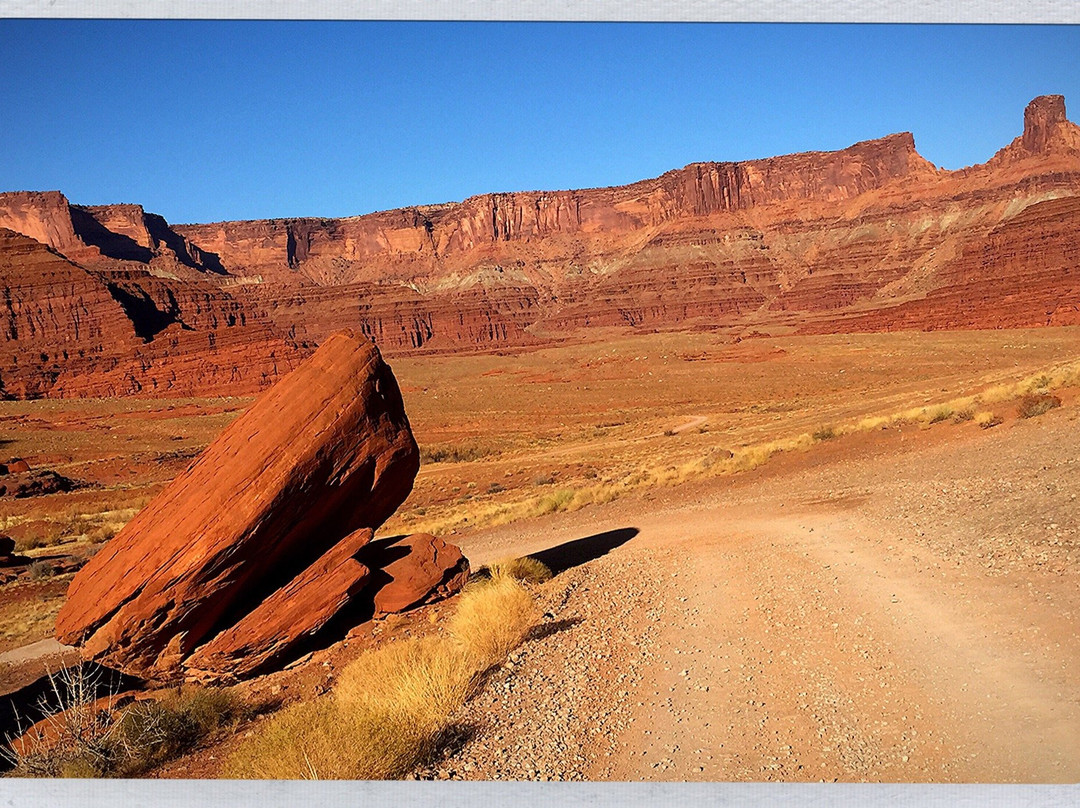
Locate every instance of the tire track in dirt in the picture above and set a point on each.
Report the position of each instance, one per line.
(836, 622)
(803, 654)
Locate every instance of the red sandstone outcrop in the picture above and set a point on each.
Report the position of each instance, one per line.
(253, 548)
(414, 569)
(291, 614)
(111, 327)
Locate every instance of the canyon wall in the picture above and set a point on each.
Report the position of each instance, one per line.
(871, 237)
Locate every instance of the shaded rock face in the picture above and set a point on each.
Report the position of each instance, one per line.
(253, 548)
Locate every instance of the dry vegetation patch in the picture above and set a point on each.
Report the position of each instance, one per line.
(92, 737)
(393, 706)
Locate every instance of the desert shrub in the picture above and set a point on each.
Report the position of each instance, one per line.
(74, 741)
(524, 569)
(1033, 404)
(987, 419)
(102, 533)
(392, 706)
(966, 414)
(554, 502)
(465, 453)
(824, 433)
(872, 422)
(86, 738)
(41, 569)
(495, 488)
(153, 732)
(543, 479)
(31, 542)
(669, 433)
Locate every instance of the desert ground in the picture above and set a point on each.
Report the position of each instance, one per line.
(792, 558)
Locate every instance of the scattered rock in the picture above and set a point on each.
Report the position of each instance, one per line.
(14, 466)
(418, 567)
(34, 483)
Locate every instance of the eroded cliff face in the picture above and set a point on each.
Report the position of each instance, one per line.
(871, 237)
(109, 301)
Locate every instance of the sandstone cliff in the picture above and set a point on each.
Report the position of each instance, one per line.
(871, 237)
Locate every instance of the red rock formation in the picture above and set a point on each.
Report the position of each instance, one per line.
(290, 615)
(1024, 273)
(44, 217)
(799, 241)
(54, 316)
(417, 568)
(108, 326)
(325, 452)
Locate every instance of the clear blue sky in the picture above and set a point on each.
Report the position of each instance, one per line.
(203, 121)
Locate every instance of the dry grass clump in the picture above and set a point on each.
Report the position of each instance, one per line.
(29, 620)
(492, 618)
(392, 706)
(987, 419)
(424, 678)
(89, 739)
(70, 527)
(824, 433)
(943, 413)
(1034, 404)
(525, 569)
(465, 453)
(384, 716)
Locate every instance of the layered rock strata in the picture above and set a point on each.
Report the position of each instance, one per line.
(864, 237)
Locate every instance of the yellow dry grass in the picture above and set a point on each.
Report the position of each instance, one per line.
(492, 618)
(486, 513)
(524, 568)
(392, 705)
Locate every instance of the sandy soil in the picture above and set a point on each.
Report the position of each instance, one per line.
(901, 610)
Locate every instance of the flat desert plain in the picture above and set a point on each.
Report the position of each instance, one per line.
(791, 558)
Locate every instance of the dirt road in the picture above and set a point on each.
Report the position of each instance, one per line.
(893, 607)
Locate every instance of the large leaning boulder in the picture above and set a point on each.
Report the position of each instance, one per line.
(254, 546)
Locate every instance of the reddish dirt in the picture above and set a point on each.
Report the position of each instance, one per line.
(896, 608)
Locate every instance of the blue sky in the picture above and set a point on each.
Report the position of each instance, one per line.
(203, 121)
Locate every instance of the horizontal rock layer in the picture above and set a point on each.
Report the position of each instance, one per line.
(121, 302)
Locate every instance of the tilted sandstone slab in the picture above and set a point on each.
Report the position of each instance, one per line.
(418, 568)
(325, 452)
(294, 613)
